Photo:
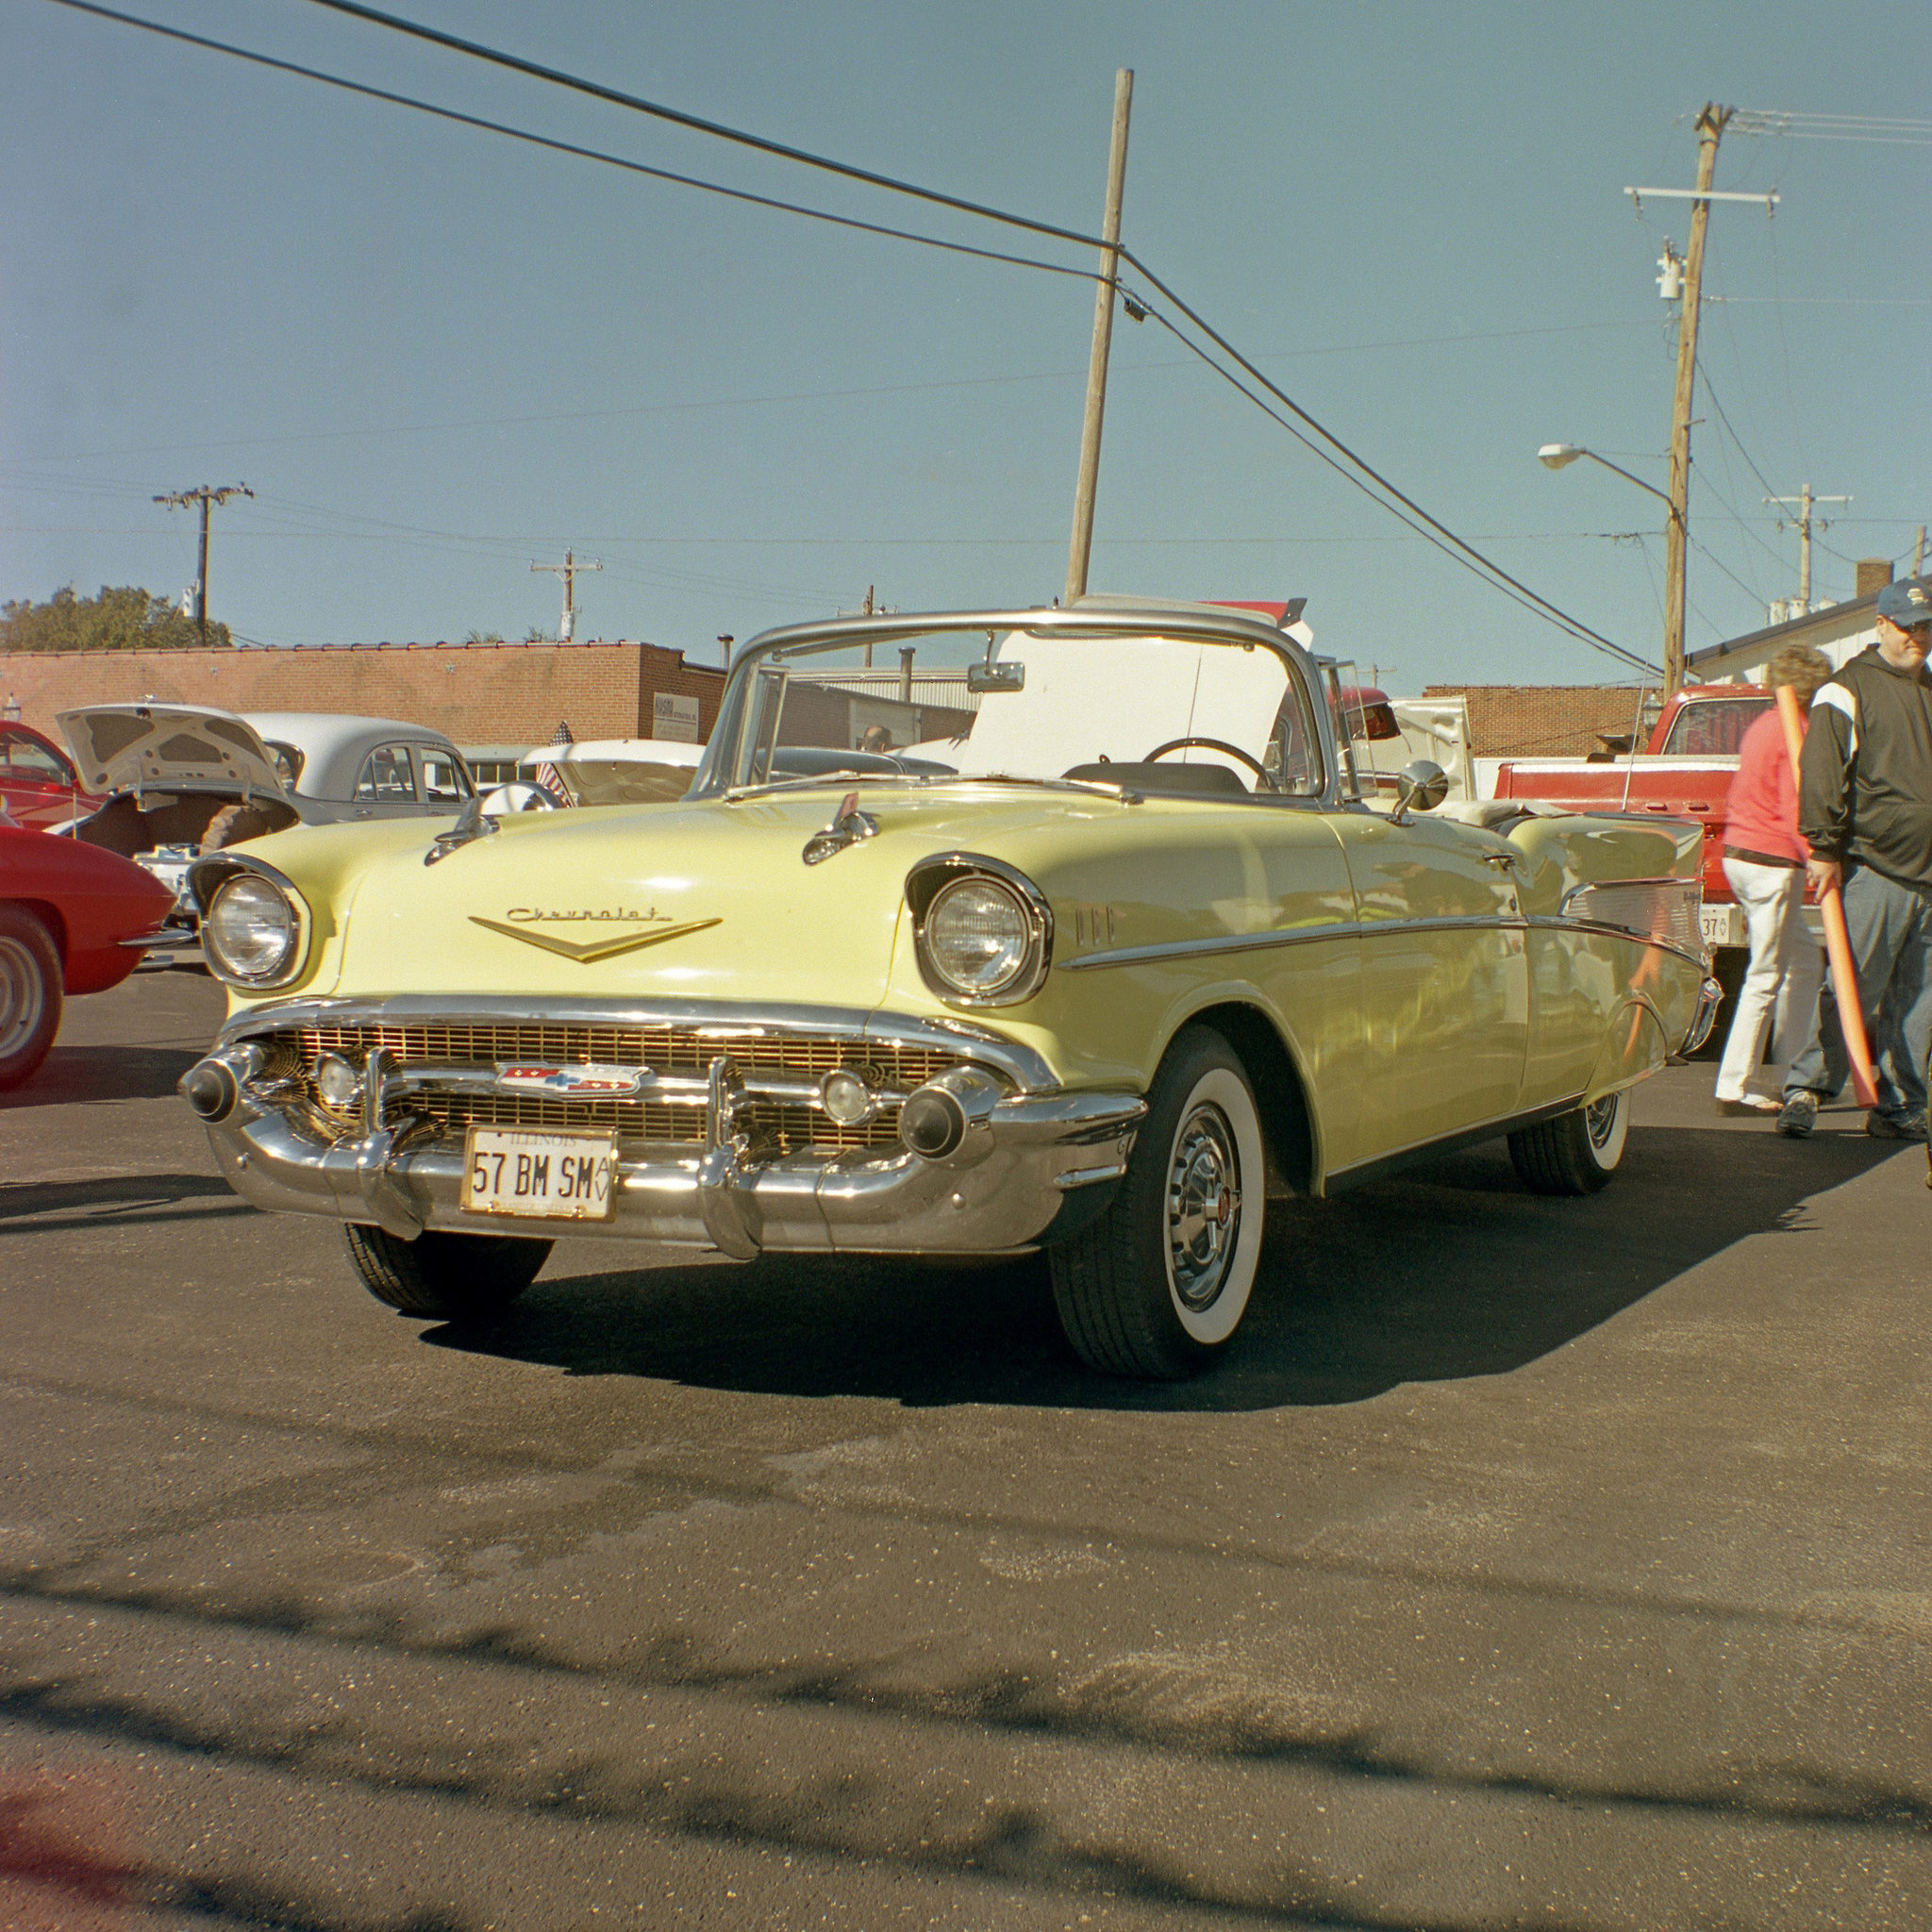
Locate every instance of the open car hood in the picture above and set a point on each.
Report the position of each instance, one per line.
(122, 747)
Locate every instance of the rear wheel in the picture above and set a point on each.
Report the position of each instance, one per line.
(458, 1278)
(1158, 1286)
(1577, 1152)
(29, 994)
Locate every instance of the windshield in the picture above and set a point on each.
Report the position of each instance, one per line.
(1712, 727)
(622, 781)
(1148, 713)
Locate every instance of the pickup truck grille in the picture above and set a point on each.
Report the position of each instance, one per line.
(785, 1124)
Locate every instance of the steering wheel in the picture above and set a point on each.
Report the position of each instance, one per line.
(1220, 744)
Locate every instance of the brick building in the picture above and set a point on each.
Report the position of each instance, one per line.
(476, 693)
(1546, 720)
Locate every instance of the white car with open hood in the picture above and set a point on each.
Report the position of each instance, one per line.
(183, 780)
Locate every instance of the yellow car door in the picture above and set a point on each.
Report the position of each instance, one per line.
(1444, 976)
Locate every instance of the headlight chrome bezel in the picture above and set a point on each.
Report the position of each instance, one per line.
(211, 882)
(931, 879)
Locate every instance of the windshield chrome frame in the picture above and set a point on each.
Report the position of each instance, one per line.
(1116, 618)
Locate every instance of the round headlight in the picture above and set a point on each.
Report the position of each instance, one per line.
(250, 930)
(979, 937)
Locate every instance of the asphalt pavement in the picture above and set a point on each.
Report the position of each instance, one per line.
(1564, 1564)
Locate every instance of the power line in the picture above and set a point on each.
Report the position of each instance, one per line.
(1490, 571)
(1885, 129)
(567, 147)
(595, 89)
(1507, 584)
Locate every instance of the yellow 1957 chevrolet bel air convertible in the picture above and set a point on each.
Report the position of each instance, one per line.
(1143, 961)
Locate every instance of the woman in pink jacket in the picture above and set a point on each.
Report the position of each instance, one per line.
(1764, 861)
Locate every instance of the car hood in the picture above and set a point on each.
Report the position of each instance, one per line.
(124, 747)
(708, 901)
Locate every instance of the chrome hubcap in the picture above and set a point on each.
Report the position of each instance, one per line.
(1600, 1119)
(22, 997)
(1204, 1206)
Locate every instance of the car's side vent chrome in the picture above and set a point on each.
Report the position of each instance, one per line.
(1662, 910)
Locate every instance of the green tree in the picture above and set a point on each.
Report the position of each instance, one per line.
(123, 618)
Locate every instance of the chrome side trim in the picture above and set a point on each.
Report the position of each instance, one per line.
(1596, 885)
(720, 1019)
(1300, 936)
(1550, 923)
(1223, 943)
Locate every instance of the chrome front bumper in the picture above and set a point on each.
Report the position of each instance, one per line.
(1028, 1166)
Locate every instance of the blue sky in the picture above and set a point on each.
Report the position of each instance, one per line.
(438, 356)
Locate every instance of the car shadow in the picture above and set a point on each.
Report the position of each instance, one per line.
(82, 1073)
(1454, 1270)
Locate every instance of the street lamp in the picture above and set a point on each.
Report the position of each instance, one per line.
(1560, 456)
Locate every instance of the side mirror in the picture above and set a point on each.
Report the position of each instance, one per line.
(1421, 787)
(987, 677)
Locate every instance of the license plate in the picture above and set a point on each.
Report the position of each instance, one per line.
(544, 1177)
(1724, 925)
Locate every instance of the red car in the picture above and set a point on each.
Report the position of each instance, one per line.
(38, 786)
(66, 912)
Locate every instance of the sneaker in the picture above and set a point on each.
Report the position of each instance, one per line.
(1752, 1106)
(1799, 1115)
(1884, 1128)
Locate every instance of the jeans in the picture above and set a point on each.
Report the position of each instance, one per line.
(1890, 930)
(1780, 988)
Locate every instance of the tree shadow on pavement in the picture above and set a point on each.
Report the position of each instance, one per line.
(113, 1200)
(1452, 1271)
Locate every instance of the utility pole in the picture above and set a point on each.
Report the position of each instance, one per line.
(1802, 502)
(567, 570)
(1919, 552)
(1082, 544)
(1711, 127)
(1685, 274)
(180, 499)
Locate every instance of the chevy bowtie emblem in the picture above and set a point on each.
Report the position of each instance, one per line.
(588, 952)
(585, 1082)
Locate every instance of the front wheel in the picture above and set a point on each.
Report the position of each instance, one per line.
(1577, 1152)
(458, 1278)
(29, 994)
(1158, 1286)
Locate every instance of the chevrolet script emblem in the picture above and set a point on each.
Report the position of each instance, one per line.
(588, 952)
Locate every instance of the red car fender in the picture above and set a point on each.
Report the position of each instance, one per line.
(90, 899)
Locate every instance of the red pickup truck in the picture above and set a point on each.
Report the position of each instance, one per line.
(1683, 771)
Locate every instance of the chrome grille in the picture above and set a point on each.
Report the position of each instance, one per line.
(666, 1049)
(787, 1127)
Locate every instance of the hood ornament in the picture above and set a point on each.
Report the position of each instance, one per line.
(588, 952)
(849, 825)
(471, 824)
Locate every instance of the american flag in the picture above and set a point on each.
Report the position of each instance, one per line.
(547, 775)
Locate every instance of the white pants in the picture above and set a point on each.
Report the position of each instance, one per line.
(1780, 988)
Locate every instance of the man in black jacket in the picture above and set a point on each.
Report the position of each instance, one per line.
(1865, 808)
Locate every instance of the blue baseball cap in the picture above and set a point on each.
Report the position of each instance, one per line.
(1906, 603)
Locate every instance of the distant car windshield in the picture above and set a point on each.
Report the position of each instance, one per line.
(622, 781)
(1708, 727)
(1223, 718)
